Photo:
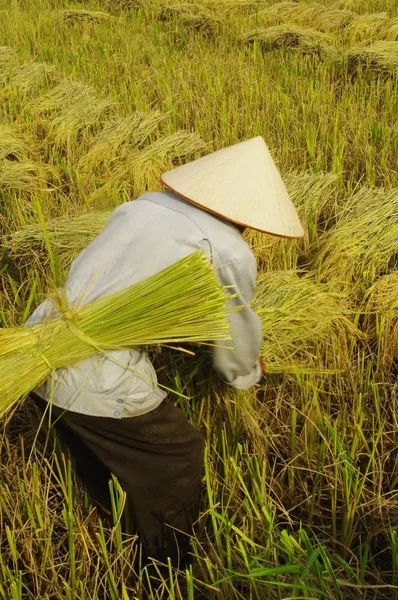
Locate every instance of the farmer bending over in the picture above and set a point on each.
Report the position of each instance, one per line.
(110, 410)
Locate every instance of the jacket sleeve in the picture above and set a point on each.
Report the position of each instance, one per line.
(238, 362)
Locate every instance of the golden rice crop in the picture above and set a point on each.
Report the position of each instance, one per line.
(25, 175)
(67, 236)
(319, 17)
(12, 145)
(31, 76)
(389, 31)
(192, 17)
(363, 243)
(138, 170)
(292, 37)
(367, 26)
(305, 324)
(382, 318)
(68, 110)
(183, 302)
(380, 57)
(119, 136)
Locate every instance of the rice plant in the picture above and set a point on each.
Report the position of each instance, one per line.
(292, 37)
(300, 489)
(380, 57)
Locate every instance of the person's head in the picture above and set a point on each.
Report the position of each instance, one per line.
(240, 184)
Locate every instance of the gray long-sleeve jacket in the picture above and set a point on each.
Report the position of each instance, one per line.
(140, 239)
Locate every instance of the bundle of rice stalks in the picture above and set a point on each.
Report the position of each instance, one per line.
(24, 175)
(380, 57)
(121, 5)
(120, 136)
(322, 18)
(315, 198)
(289, 11)
(68, 110)
(67, 237)
(184, 302)
(86, 16)
(306, 325)
(390, 30)
(12, 146)
(291, 37)
(332, 19)
(192, 17)
(20, 166)
(141, 169)
(366, 27)
(382, 318)
(232, 6)
(31, 76)
(363, 244)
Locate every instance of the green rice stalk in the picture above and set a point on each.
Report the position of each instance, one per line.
(90, 16)
(292, 37)
(380, 57)
(363, 244)
(306, 325)
(184, 302)
(120, 136)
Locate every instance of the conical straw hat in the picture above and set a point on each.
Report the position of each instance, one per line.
(241, 184)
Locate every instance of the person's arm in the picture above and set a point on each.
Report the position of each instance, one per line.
(239, 364)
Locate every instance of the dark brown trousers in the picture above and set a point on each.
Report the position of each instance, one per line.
(158, 460)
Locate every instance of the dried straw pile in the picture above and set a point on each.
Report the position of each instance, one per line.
(292, 37)
(184, 302)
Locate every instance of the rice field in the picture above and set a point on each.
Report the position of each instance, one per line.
(97, 98)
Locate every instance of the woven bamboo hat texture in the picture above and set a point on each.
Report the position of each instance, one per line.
(242, 184)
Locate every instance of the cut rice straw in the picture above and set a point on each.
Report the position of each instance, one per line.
(304, 323)
(364, 240)
(182, 303)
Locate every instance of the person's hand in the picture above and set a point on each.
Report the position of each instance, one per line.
(262, 365)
